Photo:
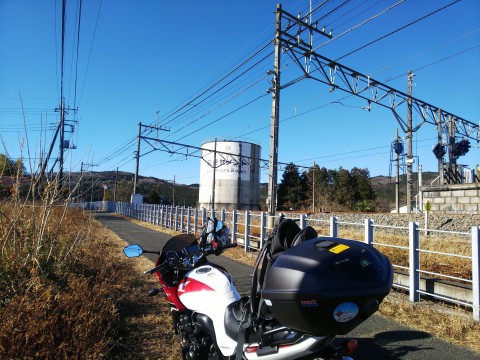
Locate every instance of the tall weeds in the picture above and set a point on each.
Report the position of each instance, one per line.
(35, 236)
(55, 294)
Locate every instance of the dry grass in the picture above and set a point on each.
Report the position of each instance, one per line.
(94, 307)
(454, 325)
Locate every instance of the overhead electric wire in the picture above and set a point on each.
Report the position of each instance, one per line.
(222, 99)
(397, 30)
(262, 44)
(423, 52)
(215, 108)
(295, 116)
(358, 151)
(256, 50)
(333, 10)
(435, 62)
(226, 115)
(190, 103)
(352, 17)
(345, 32)
(91, 49)
(78, 47)
(360, 24)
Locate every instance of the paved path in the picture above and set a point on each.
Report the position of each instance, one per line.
(378, 338)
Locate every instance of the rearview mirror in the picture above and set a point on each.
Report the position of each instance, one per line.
(133, 250)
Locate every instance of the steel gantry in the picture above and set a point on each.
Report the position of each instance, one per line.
(337, 76)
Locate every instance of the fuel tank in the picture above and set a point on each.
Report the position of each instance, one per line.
(208, 290)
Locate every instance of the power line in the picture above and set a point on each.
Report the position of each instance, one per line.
(224, 116)
(436, 62)
(192, 105)
(91, 49)
(397, 30)
(78, 47)
(215, 108)
(454, 40)
(360, 24)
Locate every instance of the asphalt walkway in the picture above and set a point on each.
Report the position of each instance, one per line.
(378, 338)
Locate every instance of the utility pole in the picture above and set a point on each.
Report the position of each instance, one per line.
(397, 179)
(115, 189)
(173, 199)
(451, 143)
(409, 145)
(91, 176)
(273, 160)
(214, 173)
(137, 158)
(439, 141)
(62, 137)
(313, 188)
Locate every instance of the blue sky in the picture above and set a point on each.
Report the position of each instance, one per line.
(141, 61)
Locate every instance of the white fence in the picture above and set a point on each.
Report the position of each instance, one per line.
(250, 230)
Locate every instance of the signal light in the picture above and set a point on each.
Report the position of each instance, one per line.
(398, 147)
(460, 148)
(439, 151)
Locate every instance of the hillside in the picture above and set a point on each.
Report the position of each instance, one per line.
(120, 187)
(384, 187)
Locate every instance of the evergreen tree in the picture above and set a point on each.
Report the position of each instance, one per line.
(153, 197)
(20, 168)
(7, 166)
(364, 193)
(291, 192)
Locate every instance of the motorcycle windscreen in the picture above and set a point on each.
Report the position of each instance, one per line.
(177, 243)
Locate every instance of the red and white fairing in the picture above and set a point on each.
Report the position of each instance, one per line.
(209, 291)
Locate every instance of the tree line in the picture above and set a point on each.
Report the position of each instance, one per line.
(316, 189)
(320, 189)
(9, 167)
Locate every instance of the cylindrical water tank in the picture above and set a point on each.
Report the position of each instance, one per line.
(230, 175)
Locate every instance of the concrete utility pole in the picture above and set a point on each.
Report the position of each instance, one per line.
(273, 159)
(397, 179)
(409, 145)
(451, 142)
(439, 138)
(214, 173)
(313, 188)
(137, 158)
(115, 188)
(62, 137)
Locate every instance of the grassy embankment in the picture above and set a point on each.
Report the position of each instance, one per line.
(66, 290)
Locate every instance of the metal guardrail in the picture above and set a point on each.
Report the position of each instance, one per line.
(250, 230)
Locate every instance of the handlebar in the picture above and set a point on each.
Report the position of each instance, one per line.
(188, 261)
(154, 270)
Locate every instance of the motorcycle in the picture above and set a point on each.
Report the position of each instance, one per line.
(306, 290)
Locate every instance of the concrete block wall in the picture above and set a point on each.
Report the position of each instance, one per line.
(458, 199)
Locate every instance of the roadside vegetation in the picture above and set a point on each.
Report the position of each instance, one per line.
(66, 291)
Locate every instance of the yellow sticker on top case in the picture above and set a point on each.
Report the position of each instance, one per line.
(339, 248)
